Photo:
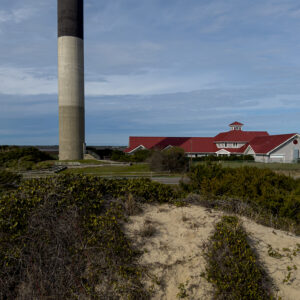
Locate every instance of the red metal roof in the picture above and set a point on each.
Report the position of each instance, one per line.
(200, 145)
(154, 142)
(236, 123)
(263, 145)
(194, 144)
(260, 141)
(238, 136)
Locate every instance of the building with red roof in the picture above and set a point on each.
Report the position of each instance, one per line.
(264, 147)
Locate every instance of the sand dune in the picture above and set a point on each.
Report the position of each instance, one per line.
(173, 238)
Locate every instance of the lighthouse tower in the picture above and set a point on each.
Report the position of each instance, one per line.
(71, 80)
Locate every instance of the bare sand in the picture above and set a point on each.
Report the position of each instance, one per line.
(173, 240)
(278, 253)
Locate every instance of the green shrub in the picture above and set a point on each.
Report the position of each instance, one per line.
(43, 165)
(117, 155)
(232, 265)
(138, 156)
(61, 237)
(22, 158)
(141, 155)
(271, 191)
(8, 180)
(225, 158)
(172, 160)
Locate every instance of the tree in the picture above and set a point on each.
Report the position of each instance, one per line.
(172, 160)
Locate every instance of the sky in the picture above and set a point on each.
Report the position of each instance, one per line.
(154, 68)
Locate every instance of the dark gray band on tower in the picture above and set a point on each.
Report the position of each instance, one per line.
(70, 18)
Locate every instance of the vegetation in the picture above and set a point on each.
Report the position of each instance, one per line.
(225, 158)
(172, 160)
(61, 237)
(273, 166)
(101, 153)
(8, 180)
(138, 156)
(22, 158)
(232, 264)
(111, 170)
(278, 194)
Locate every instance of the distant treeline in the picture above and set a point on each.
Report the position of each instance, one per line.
(225, 158)
(21, 158)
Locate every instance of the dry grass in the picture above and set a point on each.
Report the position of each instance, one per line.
(148, 229)
(131, 206)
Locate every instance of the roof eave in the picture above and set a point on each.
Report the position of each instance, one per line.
(137, 148)
(287, 140)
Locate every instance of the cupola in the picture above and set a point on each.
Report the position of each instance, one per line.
(236, 126)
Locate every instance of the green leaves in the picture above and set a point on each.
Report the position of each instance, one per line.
(273, 192)
(83, 215)
(232, 265)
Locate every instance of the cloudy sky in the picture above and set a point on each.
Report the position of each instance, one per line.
(154, 67)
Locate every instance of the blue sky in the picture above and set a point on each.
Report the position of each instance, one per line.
(154, 67)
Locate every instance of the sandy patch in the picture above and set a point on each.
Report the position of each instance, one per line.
(173, 252)
(172, 239)
(270, 245)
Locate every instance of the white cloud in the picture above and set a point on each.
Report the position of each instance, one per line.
(149, 83)
(17, 15)
(4, 16)
(21, 14)
(26, 81)
(21, 81)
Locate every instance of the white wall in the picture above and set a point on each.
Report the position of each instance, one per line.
(286, 150)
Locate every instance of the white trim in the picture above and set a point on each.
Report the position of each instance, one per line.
(168, 147)
(222, 150)
(277, 157)
(268, 153)
(215, 142)
(249, 146)
(137, 148)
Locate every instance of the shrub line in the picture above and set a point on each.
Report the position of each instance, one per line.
(233, 267)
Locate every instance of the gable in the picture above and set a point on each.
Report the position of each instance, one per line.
(265, 145)
(222, 151)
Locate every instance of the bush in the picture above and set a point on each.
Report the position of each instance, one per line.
(8, 180)
(225, 158)
(117, 155)
(138, 156)
(172, 160)
(101, 153)
(232, 264)
(141, 155)
(61, 237)
(22, 158)
(273, 192)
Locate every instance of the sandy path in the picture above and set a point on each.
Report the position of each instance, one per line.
(172, 239)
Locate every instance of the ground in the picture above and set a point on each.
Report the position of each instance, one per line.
(173, 241)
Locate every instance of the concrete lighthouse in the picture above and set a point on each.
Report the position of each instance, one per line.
(71, 80)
